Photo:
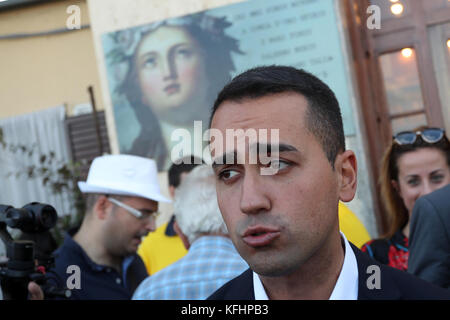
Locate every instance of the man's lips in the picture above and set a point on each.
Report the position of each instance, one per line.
(138, 238)
(259, 236)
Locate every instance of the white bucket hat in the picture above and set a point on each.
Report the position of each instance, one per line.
(125, 175)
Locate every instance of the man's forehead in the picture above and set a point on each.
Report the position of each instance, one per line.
(240, 140)
(277, 111)
(248, 124)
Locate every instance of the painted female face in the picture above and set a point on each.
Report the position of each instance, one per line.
(421, 172)
(171, 71)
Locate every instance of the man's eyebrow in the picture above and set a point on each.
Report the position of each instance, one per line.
(260, 147)
(147, 211)
(269, 148)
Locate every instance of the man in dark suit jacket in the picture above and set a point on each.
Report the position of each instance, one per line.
(281, 166)
(393, 284)
(429, 251)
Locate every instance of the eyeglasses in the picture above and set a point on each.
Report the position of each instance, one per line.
(430, 135)
(135, 212)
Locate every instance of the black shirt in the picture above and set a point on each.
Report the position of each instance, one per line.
(96, 281)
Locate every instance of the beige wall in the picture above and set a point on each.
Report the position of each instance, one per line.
(43, 71)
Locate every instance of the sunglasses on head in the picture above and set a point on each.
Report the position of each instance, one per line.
(430, 135)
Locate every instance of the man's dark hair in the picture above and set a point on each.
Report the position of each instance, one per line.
(323, 116)
(186, 164)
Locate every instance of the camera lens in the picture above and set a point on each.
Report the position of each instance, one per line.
(16, 217)
(32, 218)
(47, 217)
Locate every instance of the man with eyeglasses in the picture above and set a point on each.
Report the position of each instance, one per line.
(99, 261)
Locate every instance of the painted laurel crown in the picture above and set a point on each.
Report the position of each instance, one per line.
(127, 40)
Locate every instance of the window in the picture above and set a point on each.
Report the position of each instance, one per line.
(439, 36)
(403, 92)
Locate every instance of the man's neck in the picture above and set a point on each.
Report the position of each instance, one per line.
(314, 280)
(93, 247)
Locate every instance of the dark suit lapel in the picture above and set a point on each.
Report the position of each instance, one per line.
(388, 290)
(242, 288)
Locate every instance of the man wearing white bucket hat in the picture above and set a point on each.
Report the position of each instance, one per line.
(99, 261)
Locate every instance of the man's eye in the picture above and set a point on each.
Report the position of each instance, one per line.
(278, 164)
(226, 175)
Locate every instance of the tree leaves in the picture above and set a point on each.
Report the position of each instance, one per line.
(60, 176)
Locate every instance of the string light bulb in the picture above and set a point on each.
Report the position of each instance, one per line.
(397, 9)
(407, 53)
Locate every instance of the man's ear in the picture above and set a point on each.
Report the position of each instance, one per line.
(348, 172)
(182, 236)
(101, 206)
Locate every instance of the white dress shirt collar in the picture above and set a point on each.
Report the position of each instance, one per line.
(346, 287)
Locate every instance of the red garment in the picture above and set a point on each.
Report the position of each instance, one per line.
(394, 252)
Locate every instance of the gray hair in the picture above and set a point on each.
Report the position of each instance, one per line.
(196, 209)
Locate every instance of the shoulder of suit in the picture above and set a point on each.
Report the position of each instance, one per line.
(394, 283)
(239, 288)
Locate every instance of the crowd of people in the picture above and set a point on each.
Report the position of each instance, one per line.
(238, 234)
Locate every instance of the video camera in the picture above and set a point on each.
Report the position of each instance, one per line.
(21, 268)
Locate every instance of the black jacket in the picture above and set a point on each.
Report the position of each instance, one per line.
(429, 242)
(394, 284)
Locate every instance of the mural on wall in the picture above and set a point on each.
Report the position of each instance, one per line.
(165, 75)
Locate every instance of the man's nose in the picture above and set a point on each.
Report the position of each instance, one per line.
(150, 224)
(254, 197)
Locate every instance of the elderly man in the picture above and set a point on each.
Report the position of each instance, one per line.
(211, 260)
(99, 261)
(163, 247)
(282, 210)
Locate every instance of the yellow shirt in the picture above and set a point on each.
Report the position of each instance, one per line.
(351, 227)
(158, 250)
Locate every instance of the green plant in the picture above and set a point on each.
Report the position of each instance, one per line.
(59, 176)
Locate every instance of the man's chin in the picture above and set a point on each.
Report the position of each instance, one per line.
(130, 251)
(133, 247)
(272, 266)
(271, 271)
